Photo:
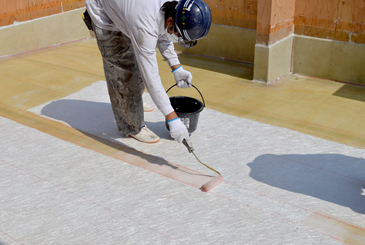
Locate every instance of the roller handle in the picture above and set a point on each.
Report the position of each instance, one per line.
(190, 149)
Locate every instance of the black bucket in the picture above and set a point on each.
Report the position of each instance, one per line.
(187, 109)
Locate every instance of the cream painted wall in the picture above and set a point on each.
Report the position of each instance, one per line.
(232, 43)
(42, 32)
(324, 58)
(273, 62)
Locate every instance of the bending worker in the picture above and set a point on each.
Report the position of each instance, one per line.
(127, 33)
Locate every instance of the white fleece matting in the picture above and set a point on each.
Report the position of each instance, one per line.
(55, 192)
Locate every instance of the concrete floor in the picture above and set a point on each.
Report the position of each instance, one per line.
(292, 154)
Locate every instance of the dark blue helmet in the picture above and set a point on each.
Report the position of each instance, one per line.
(193, 19)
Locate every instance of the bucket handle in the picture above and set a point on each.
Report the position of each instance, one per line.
(193, 86)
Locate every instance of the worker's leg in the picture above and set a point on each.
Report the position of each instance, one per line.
(123, 78)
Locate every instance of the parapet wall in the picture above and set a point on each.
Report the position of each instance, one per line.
(323, 38)
(43, 32)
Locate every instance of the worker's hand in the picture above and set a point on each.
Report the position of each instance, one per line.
(178, 130)
(182, 78)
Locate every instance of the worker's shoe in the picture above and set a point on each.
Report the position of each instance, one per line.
(147, 107)
(146, 136)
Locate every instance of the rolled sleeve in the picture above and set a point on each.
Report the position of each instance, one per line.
(167, 50)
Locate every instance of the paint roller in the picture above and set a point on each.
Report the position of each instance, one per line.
(215, 181)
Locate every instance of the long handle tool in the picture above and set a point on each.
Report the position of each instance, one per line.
(214, 182)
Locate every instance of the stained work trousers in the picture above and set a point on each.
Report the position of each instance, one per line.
(124, 81)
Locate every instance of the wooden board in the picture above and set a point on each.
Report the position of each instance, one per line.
(23, 10)
(241, 13)
(275, 21)
(283, 14)
(331, 19)
(351, 21)
(11, 11)
(316, 18)
(41, 8)
(234, 13)
(72, 4)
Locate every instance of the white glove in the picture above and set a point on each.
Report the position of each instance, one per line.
(182, 78)
(178, 131)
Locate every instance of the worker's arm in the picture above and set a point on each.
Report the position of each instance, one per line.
(182, 77)
(147, 61)
(174, 67)
(171, 116)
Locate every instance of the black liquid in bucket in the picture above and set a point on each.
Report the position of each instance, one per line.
(188, 110)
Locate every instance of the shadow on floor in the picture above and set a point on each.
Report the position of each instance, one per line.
(351, 92)
(236, 69)
(96, 120)
(330, 177)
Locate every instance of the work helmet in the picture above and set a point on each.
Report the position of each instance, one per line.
(193, 19)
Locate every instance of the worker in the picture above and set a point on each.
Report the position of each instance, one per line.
(127, 33)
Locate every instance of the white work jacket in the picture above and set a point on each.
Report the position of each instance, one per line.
(144, 23)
